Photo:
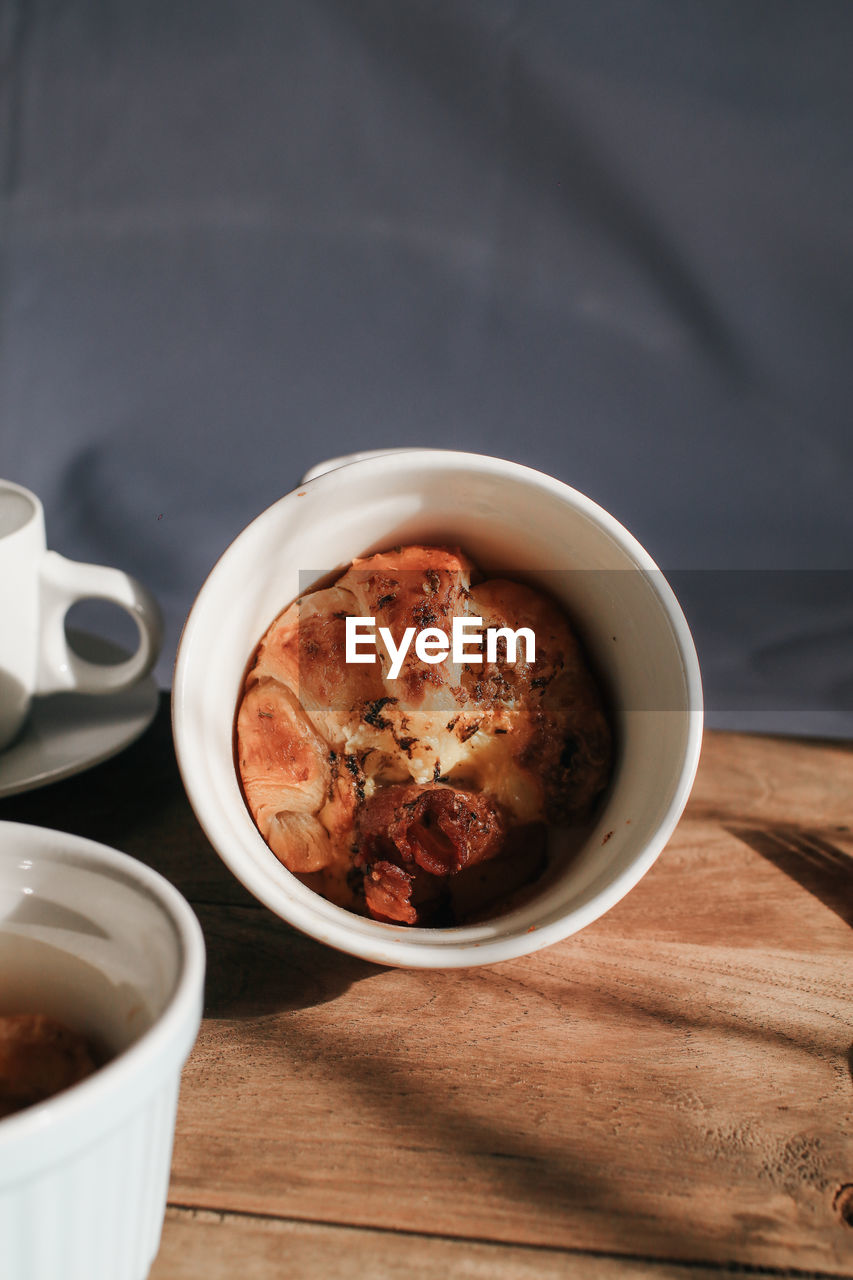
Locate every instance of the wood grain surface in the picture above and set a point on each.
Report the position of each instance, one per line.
(200, 1242)
(670, 1088)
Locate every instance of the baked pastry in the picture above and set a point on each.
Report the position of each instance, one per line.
(382, 790)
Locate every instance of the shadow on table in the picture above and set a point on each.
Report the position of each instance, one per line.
(461, 1134)
(814, 862)
(808, 857)
(411, 1068)
(258, 965)
(432, 1119)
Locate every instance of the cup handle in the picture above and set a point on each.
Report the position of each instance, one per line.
(62, 583)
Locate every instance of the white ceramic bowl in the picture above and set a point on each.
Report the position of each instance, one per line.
(102, 943)
(509, 519)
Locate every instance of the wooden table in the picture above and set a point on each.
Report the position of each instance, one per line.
(666, 1094)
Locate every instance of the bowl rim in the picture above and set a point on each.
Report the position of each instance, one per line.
(96, 1104)
(388, 944)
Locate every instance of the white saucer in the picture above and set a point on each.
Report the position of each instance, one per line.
(69, 732)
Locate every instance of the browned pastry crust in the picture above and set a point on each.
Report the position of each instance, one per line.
(38, 1058)
(365, 783)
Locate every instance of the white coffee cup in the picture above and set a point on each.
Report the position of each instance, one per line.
(510, 520)
(37, 588)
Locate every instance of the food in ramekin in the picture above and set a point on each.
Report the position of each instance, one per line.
(39, 1057)
(420, 797)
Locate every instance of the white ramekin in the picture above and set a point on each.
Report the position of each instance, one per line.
(509, 519)
(101, 942)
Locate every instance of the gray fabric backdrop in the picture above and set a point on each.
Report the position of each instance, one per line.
(613, 241)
